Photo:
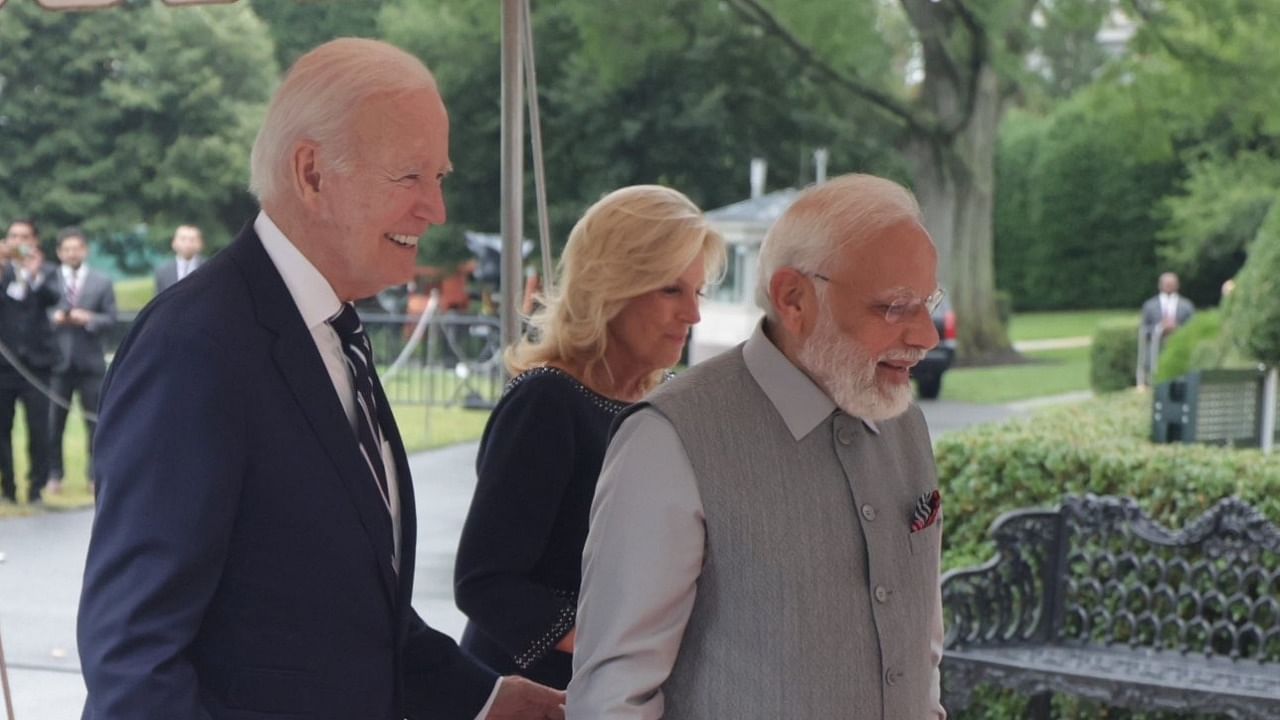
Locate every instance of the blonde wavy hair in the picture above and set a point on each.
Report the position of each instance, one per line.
(630, 242)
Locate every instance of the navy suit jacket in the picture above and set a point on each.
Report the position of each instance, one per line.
(240, 563)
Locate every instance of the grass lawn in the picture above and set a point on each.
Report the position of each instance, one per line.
(134, 293)
(424, 428)
(1051, 372)
(1046, 325)
(75, 488)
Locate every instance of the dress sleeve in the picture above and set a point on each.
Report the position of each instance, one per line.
(525, 465)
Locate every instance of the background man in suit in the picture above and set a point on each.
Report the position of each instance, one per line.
(87, 309)
(28, 289)
(187, 245)
(253, 551)
(765, 534)
(1167, 311)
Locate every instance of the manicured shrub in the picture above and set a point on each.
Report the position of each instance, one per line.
(1100, 446)
(1113, 356)
(1195, 346)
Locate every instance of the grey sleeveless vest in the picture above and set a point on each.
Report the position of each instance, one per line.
(814, 601)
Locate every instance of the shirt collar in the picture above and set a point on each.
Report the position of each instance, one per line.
(68, 273)
(314, 296)
(801, 403)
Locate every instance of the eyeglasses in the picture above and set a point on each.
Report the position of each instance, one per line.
(898, 310)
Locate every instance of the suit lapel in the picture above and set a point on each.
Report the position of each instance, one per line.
(302, 369)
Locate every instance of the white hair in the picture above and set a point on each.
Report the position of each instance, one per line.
(317, 99)
(826, 218)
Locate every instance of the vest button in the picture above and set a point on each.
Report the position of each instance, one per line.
(892, 676)
(882, 594)
(844, 436)
(868, 512)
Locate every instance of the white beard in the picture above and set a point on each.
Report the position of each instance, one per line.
(847, 372)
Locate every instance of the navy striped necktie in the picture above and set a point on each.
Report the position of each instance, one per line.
(359, 356)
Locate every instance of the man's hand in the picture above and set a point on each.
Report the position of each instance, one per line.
(32, 262)
(521, 699)
(79, 316)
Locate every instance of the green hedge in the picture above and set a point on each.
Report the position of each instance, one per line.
(1254, 310)
(1113, 356)
(1100, 447)
(1193, 347)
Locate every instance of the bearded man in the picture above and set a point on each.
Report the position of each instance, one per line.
(766, 532)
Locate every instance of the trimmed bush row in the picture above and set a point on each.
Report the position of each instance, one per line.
(1113, 356)
(1100, 446)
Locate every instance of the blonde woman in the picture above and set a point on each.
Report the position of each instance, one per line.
(631, 277)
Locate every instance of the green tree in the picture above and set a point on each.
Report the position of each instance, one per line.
(1203, 76)
(135, 118)
(971, 60)
(299, 25)
(1078, 189)
(683, 95)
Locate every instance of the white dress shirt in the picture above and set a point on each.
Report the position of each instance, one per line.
(74, 278)
(23, 282)
(629, 631)
(317, 302)
(1169, 306)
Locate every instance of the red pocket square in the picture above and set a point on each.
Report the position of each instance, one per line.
(925, 512)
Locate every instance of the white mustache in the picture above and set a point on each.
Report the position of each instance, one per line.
(911, 356)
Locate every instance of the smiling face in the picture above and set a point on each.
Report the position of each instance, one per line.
(650, 332)
(369, 217)
(856, 355)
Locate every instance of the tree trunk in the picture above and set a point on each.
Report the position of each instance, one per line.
(955, 183)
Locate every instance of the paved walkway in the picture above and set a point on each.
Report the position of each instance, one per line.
(44, 559)
(1053, 344)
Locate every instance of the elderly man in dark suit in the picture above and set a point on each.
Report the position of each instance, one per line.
(253, 551)
(28, 289)
(85, 313)
(187, 244)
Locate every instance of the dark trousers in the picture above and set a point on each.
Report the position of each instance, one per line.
(65, 384)
(12, 389)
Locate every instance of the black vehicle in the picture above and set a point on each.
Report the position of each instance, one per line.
(928, 372)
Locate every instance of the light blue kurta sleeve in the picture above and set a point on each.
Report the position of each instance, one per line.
(640, 568)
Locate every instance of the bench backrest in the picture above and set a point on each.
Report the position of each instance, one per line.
(1098, 571)
(1212, 588)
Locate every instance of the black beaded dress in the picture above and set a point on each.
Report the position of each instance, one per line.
(518, 567)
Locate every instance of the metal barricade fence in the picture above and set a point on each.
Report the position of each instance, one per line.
(458, 363)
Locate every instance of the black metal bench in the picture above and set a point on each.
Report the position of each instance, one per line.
(1096, 600)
